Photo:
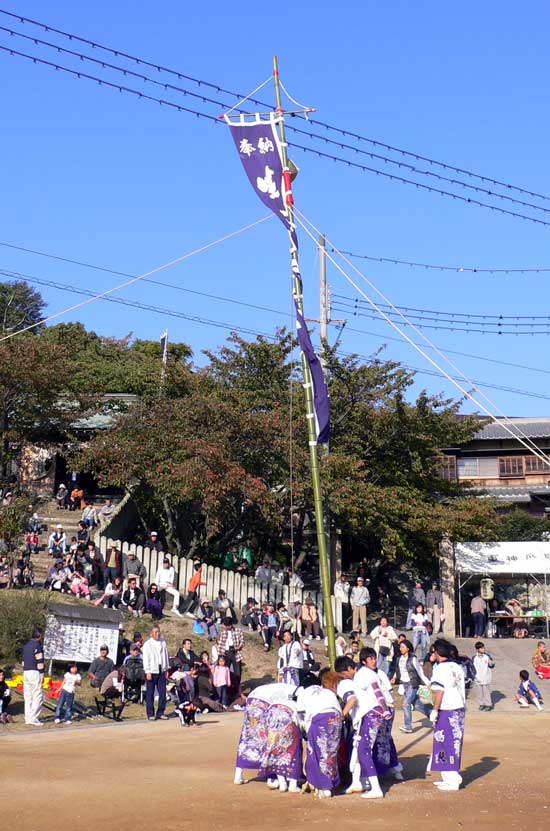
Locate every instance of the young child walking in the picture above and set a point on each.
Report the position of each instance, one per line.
(527, 692)
(71, 680)
(483, 665)
(221, 678)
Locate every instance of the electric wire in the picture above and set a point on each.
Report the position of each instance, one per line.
(457, 269)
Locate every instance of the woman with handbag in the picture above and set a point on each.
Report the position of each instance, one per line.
(385, 638)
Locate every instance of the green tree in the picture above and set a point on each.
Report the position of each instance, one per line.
(20, 306)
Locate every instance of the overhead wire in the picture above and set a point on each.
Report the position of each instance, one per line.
(104, 269)
(458, 269)
(199, 319)
(218, 88)
(139, 277)
(516, 433)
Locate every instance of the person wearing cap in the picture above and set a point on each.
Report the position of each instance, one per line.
(155, 665)
(359, 599)
(133, 567)
(166, 582)
(311, 664)
(57, 542)
(154, 542)
(100, 667)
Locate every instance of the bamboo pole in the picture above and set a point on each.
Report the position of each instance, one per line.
(297, 288)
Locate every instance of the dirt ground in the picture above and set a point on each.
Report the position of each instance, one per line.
(158, 775)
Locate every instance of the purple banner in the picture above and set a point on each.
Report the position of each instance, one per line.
(321, 402)
(258, 146)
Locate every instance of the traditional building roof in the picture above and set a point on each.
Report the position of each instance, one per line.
(533, 428)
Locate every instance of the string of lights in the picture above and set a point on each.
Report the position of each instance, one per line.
(445, 326)
(148, 307)
(104, 269)
(357, 301)
(457, 269)
(328, 127)
(313, 136)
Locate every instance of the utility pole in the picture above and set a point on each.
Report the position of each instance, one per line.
(297, 289)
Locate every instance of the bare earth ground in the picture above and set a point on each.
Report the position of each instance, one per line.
(158, 775)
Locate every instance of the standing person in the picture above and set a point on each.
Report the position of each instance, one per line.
(342, 590)
(359, 599)
(541, 661)
(447, 716)
(33, 676)
(155, 666)
(384, 752)
(478, 608)
(434, 607)
(193, 587)
(483, 665)
(291, 660)
(411, 675)
(113, 564)
(322, 718)
(166, 581)
(282, 757)
(385, 638)
(416, 595)
(71, 680)
(221, 678)
(421, 638)
(231, 644)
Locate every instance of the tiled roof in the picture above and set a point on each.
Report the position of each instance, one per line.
(514, 493)
(533, 428)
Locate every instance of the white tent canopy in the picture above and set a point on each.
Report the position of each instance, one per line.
(503, 557)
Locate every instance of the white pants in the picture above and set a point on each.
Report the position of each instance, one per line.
(175, 594)
(33, 695)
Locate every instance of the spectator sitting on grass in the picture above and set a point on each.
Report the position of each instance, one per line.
(250, 614)
(185, 656)
(32, 542)
(5, 698)
(80, 586)
(5, 572)
(100, 668)
(113, 685)
(205, 616)
(24, 572)
(133, 599)
(56, 578)
(269, 625)
(223, 607)
(152, 604)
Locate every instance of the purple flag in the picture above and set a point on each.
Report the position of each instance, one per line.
(321, 403)
(259, 149)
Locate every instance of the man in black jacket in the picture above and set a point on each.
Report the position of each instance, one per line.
(133, 599)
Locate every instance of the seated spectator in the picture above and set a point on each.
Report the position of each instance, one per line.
(541, 661)
(100, 668)
(310, 619)
(133, 567)
(205, 617)
(5, 698)
(133, 599)
(77, 501)
(152, 603)
(5, 572)
(83, 534)
(243, 569)
(111, 597)
(154, 542)
(32, 543)
(223, 607)
(264, 573)
(187, 712)
(34, 522)
(269, 625)
(83, 563)
(311, 664)
(205, 689)
(57, 542)
(185, 656)
(113, 684)
(166, 581)
(134, 674)
(56, 578)
(80, 586)
(250, 614)
(285, 621)
(62, 498)
(89, 516)
(23, 574)
(106, 512)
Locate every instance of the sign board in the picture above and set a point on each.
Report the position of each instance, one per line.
(503, 557)
(77, 636)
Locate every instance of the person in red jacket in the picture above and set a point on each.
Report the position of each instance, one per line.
(192, 600)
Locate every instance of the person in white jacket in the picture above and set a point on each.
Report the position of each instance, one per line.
(483, 664)
(291, 660)
(155, 665)
(166, 581)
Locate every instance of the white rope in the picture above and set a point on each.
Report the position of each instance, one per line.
(250, 94)
(301, 106)
(522, 438)
(140, 277)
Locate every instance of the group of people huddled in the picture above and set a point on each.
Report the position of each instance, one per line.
(345, 717)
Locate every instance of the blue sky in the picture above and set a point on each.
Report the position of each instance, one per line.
(95, 175)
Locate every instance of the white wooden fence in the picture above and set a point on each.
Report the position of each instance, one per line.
(237, 587)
